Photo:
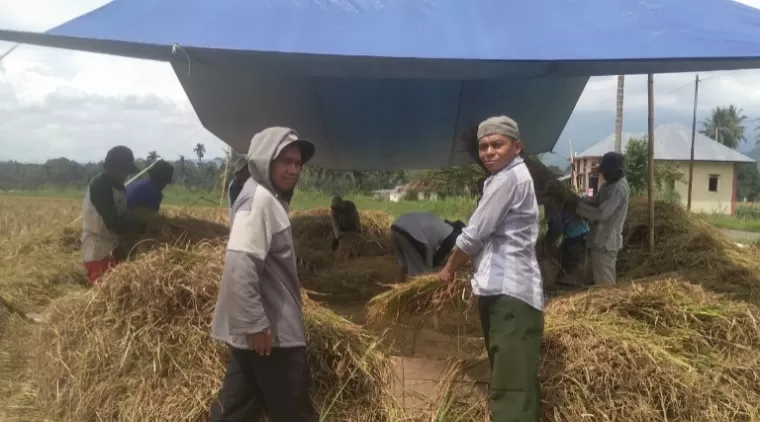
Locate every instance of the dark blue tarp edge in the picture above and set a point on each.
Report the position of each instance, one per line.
(351, 66)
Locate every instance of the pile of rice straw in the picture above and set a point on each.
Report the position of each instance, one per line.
(656, 350)
(687, 243)
(312, 233)
(421, 295)
(138, 348)
(42, 266)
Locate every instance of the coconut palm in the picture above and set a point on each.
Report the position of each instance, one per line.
(200, 151)
(726, 125)
(152, 156)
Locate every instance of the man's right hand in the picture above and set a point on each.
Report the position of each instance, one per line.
(261, 342)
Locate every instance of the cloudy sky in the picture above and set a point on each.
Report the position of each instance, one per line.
(57, 103)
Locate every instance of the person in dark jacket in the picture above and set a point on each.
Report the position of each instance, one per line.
(422, 242)
(148, 193)
(607, 212)
(104, 218)
(344, 218)
(239, 176)
(573, 230)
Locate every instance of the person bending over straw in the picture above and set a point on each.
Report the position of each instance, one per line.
(607, 211)
(148, 194)
(104, 217)
(259, 311)
(344, 218)
(422, 242)
(501, 237)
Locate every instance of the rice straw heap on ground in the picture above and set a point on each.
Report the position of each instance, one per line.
(421, 295)
(312, 233)
(137, 348)
(662, 349)
(688, 244)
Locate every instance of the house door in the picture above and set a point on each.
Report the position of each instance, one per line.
(593, 183)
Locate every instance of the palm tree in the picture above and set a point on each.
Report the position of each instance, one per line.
(200, 151)
(757, 133)
(152, 156)
(726, 125)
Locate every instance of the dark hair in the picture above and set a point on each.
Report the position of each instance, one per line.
(469, 139)
(161, 171)
(448, 243)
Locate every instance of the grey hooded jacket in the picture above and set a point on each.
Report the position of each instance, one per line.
(260, 287)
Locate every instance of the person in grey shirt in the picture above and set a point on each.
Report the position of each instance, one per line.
(422, 242)
(500, 238)
(607, 212)
(258, 312)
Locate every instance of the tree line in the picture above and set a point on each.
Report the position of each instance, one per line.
(192, 173)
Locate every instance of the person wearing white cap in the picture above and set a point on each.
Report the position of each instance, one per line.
(259, 309)
(500, 238)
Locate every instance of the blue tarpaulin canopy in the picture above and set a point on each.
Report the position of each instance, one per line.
(390, 84)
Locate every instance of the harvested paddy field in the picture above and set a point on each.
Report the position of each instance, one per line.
(676, 341)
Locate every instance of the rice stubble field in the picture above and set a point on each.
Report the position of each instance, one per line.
(675, 340)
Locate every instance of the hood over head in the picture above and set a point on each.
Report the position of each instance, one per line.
(336, 202)
(265, 147)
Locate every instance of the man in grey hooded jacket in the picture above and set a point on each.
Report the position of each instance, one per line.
(259, 309)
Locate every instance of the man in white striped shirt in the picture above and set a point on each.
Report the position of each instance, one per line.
(500, 238)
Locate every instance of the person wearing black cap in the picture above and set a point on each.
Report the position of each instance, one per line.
(607, 212)
(103, 214)
(239, 176)
(148, 194)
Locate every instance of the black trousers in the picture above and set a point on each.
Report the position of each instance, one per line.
(277, 385)
(572, 251)
(512, 330)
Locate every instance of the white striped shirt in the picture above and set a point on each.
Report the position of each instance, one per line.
(501, 237)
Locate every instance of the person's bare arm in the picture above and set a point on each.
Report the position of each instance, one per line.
(456, 260)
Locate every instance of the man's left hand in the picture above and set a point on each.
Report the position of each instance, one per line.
(445, 276)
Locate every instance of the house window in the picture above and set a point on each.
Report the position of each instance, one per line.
(712, 184)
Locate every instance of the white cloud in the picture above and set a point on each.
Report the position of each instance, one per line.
(676, 91)
(63, 103)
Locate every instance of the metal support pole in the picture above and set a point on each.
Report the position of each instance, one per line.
(650, 160)
(693, 136)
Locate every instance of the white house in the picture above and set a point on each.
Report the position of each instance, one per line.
(417, 190)
(714, 183)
